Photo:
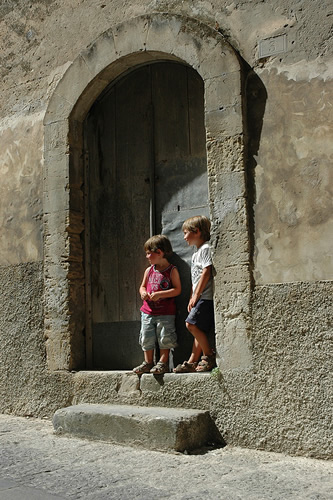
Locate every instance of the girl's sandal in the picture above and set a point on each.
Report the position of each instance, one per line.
(160, 368)
(186, 367)
(207, 363)
(143, 368)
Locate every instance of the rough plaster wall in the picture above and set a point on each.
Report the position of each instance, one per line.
(22, 354)
(282, 403)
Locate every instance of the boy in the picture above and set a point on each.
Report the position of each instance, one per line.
(200, 307)
(160, 284)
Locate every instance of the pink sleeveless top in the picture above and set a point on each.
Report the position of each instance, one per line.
(158, 281)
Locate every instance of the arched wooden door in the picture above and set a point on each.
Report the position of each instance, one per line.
(146, 173)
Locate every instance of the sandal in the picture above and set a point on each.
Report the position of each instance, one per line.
(207, 363)
(186, 367)
(143, 368)
(160, 368)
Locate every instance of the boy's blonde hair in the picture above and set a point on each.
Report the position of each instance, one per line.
(198, 222)
(158, 242)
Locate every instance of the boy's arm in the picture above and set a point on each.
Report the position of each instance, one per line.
(204, 278)
(142, 290)
(172, 292)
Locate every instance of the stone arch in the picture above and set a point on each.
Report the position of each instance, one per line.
(132, 43)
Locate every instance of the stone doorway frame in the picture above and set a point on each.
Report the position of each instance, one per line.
(157, 37)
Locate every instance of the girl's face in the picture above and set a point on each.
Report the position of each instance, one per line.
(154, 257)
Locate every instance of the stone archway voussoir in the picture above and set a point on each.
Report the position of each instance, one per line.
(70, 88)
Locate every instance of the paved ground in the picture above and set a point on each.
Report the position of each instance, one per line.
(35, 464)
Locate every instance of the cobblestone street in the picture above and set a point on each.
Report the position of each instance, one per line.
(37, 464)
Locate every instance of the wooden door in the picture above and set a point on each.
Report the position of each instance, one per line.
(147, 173)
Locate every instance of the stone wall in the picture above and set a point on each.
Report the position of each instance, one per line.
(274, 389)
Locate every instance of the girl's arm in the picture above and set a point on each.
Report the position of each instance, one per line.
(204, 278)
(142, 290)
(172, 292)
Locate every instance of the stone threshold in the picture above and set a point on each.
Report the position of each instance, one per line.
(156, 428)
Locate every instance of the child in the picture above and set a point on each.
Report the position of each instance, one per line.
(160, 284)
(200, 307)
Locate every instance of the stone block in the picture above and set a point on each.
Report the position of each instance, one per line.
(56, 222)
(231, 274)
(103, 386)
(229, 215)
(131, 37)
(222, 91)
(234, 250)
(225, 155)
(56, 200)
(58, 109)
(236, 298)
(101, 53)
(57, 294)
(156, 428)
(130, 383)
(233, 344)
(56, 171)
(56, 139)
(58, 353)
(162, 34)
(227, 186)
(224, 122)
(220, 59)
(74, 81)
(56, 243)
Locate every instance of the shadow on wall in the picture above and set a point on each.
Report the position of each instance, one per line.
(254, 110)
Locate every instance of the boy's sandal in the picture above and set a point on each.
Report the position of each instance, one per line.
(207, 363)
(186, 367)
(160, 368)
(143, 368)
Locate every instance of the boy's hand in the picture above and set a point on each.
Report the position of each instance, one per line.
(192, 302)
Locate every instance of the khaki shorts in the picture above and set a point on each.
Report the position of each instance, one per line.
(157, 329)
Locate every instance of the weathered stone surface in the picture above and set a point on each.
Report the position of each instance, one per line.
(153, 428)
(278, 133)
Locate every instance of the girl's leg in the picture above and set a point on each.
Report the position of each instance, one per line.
(164, 355)
(149, 355)
(166, 335)
(200, 343)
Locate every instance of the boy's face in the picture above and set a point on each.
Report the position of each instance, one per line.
(190, 237)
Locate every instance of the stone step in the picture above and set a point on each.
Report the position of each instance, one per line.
(154, 428)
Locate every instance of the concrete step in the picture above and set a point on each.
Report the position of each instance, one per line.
(154, 428)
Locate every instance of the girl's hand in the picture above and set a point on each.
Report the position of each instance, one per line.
(145, 296)
(155, 296)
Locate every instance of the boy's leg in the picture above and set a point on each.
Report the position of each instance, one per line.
(202, 342)
(196, 352)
